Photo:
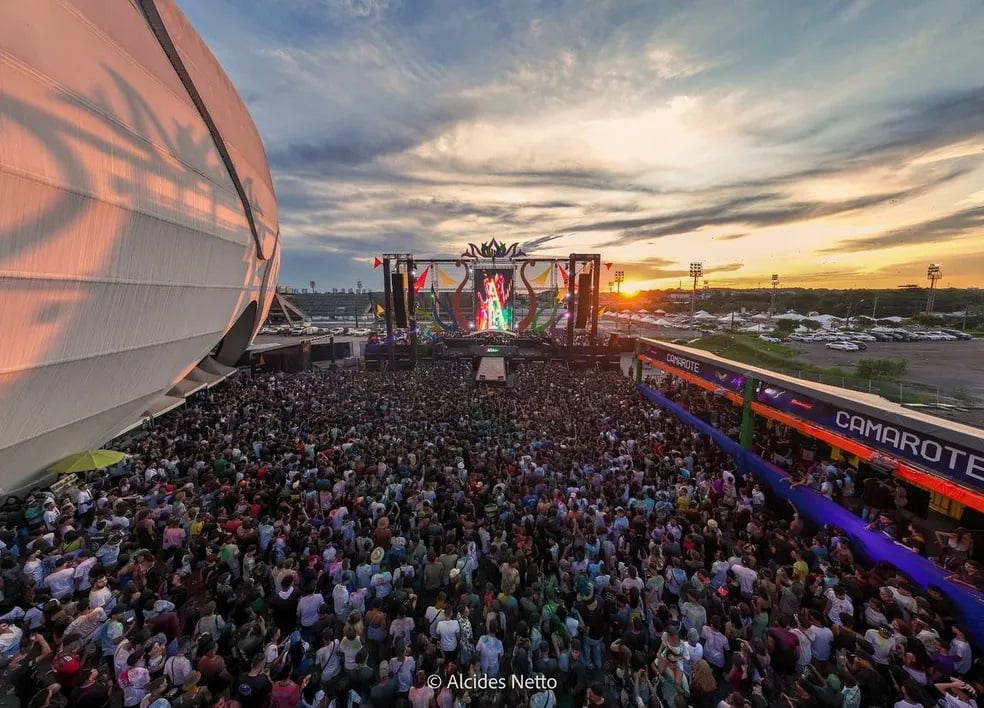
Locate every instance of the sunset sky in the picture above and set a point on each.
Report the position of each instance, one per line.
(839, 143)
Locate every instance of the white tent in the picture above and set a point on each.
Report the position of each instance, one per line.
(794, 316)
(828, 321)
(704, 317)
(760, 316)
(664, 323)
(643, 312)
(659, 312)
(625, 316)
(610, 314)
(757, 328)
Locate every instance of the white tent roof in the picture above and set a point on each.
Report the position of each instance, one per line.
(664, 323)
(643, 312)
(760, 316)
(705, 316)
(794, 316)
(625, 316)
(757, 328)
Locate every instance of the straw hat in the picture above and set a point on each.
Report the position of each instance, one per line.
(377, 555)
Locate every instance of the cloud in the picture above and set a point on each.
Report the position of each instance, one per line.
(405, 125)
(532, 245)
(957, 225)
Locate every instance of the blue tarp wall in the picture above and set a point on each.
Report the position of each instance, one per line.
(872, 545)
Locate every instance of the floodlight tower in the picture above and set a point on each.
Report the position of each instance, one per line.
(772, 303)
(696, 272)
(933, 273)
(619, 279)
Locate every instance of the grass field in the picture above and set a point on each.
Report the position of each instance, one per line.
(749, 349)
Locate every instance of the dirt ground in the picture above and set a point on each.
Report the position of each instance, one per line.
(950, 365)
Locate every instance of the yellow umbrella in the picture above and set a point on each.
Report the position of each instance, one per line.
(87, 461)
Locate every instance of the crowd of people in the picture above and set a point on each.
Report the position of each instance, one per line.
(339, 538)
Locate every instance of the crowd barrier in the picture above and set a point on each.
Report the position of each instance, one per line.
(872, 545)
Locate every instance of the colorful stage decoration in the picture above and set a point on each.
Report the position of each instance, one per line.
(436, 309)
(542, 279)
(493, 299)
(493, 250)
(531, 315)
(459, 317)
(421, 280)
(376, 262)
(443, 279)
(540, 327)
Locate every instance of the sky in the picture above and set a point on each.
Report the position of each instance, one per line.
(838, 143)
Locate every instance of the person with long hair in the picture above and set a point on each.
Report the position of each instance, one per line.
(703, 685)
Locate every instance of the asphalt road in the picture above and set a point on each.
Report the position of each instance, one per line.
(950, 365)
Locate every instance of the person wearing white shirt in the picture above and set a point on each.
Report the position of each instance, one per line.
(490, 649)
(51, 515)
(340, 599)
(432, 617)
(838, 603)
(62, 581)
(883, 642)
(307, 609)
(33, 569)
(746, 579)
(82, 571)
(960, 651)
(822, 641)
(449, 630)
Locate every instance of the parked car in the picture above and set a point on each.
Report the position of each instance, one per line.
(769, 338)
(957, 333)
(843, 346)
(860, 345)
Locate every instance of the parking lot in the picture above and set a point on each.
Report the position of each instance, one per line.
(950, 365)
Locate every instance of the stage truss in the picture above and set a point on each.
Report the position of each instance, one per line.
(554, 288)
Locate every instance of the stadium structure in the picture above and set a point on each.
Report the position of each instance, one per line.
(139, 240)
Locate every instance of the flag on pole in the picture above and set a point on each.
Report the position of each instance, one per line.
(542, 278)
(609, 265)
(379, 310)
(443, 279)
(563, 273)
(421, 280)
(376, 262)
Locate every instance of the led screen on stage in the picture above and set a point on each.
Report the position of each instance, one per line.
(493, 298)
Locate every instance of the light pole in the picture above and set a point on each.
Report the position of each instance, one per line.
(611, 286)
(696, 272)
(619, 279)
(933, 273)
(847, 323)
(772, 303)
